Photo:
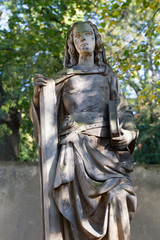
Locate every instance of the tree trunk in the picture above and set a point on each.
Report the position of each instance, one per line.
(9, 143)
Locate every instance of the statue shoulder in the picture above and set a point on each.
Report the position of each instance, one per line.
(61, 76)
(111, 75)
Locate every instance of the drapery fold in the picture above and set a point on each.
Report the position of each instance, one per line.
(97, 197)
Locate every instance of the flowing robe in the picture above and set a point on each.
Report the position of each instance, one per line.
(92, 190)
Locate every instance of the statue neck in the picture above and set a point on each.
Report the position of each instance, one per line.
(86, 60)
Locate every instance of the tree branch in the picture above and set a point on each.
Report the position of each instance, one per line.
(147, 25)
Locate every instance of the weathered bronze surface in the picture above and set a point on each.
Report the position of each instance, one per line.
(86, 135)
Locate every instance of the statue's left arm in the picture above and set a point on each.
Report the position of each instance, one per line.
(128, 130)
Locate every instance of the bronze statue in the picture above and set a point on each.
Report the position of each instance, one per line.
(86, 135)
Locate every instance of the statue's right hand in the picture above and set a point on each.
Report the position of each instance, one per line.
(39, 81)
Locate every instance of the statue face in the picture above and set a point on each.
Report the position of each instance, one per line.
(84, 38)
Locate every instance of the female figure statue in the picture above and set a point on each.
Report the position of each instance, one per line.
(91, 189)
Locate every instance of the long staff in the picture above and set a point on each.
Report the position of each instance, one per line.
(49, 141)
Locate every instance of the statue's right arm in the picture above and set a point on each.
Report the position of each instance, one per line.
(39, 82)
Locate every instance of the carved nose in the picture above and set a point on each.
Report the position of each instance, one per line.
(82, 39)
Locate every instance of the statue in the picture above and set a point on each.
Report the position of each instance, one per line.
(86, 135)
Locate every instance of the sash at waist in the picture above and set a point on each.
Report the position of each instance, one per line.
(76, 120)
(96, 129)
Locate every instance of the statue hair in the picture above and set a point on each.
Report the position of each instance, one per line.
(71, 54)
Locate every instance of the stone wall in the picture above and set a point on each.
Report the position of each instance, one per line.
(20, 213)
(146, 223)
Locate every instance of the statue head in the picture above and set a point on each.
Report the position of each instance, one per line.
(71, 53)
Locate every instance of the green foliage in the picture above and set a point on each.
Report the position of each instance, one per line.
(148, 147)
(33, 41)
(4, 130)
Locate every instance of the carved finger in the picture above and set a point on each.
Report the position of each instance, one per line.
(117, 139)
(121, 147)
(124, 142)
(40, 80)
(40, 76)
(40, 83)
(120, 144)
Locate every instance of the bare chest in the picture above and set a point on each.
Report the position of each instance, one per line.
(83, 93)
(87, 83)
(90, 84)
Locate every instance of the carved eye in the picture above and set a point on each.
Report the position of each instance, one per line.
(77, 35)
(88, 34)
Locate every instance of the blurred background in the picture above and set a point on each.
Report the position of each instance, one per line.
(32, 40)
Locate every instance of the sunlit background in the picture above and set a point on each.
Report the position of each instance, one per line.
(33, 36)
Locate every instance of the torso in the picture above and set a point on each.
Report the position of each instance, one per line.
(83, 94)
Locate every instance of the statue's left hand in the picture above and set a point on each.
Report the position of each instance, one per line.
(124, 139)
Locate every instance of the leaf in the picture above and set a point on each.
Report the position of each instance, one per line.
(115, 6)
(126, 53)
(158, 29)
(112, 22)
(101, 30)
(103, 24)
(145, 3)
(138, 67)
(115, 13)
(134, 72)
(128, 2)
(125, 4)
(152, 5)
